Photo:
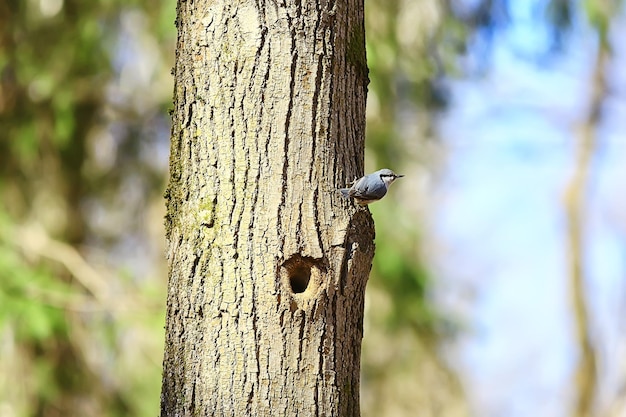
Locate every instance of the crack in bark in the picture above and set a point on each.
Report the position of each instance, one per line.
(292, 82)
(316, 219)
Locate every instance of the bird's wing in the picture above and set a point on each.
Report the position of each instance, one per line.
(354, 190)
(354, 193)
(372, 191)
(360, 190)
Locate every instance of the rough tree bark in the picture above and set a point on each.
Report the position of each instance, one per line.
(267, 264)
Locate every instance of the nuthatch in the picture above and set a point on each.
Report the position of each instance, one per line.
(371, 187)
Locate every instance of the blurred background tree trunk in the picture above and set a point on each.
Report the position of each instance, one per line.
(586, 371)
(267, 264)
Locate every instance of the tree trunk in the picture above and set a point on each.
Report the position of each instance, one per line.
(586, 381)
(267, 263)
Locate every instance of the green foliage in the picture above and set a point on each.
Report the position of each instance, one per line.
(399, 270)
(71, 347)
(406, 65)
(600, 13)
(34, 323)
(21, 284)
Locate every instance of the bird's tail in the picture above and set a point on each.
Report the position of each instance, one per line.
(345, 192)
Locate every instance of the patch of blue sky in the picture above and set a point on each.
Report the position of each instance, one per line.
(512, 137)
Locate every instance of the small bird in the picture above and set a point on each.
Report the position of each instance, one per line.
(371, 187)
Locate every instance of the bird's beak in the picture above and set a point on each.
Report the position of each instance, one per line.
(399, 176)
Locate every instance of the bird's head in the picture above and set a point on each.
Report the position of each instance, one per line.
(388, 176)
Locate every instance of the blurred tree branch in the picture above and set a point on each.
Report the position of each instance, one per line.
(586, 372)
(82, 159)
(34, 241)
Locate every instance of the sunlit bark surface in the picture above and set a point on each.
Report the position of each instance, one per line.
(267, 264)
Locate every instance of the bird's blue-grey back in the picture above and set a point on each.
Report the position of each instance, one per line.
(369, 187)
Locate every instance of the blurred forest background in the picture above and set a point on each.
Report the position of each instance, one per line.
(498, 287)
